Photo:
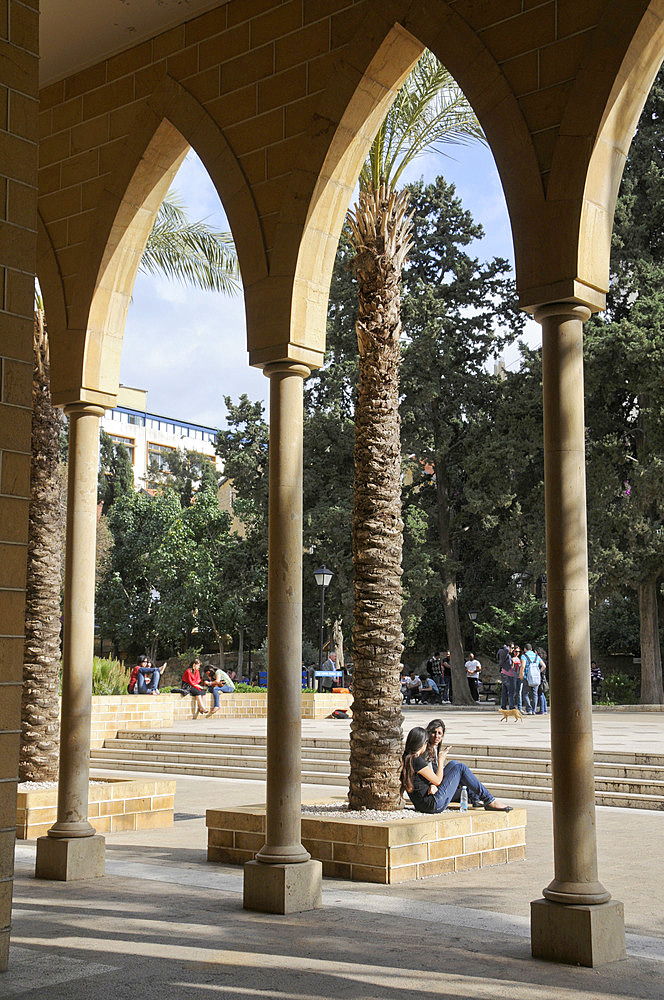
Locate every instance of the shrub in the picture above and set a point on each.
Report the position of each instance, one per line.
(108, 676)
(619, 689)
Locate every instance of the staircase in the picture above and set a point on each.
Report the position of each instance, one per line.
(632, 780)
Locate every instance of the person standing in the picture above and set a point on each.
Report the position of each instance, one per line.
(435, 670)
(446, 689)
(532, 676)
(473, 668)
(507, 675)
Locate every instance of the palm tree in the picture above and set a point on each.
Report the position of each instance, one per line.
(187, 251)
(429, 112)
(38, 760)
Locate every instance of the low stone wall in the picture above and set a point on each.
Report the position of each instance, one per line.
(114, 805)
(112, 713)
(387, 851)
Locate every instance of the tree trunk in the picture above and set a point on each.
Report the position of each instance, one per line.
(460, 689)
(380, 235)
(240, 651)
(652, 691)
(338, 643)
(40, 728)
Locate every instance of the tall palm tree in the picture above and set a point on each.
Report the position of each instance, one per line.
(429, 112)
(187, 251)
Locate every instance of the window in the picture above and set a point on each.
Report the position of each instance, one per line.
(129, 443)
(136, 418)
(159, 453)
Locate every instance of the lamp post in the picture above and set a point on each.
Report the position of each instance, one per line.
(322, 577)
(473, 617)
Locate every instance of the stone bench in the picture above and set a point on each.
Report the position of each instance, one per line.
(384, 851)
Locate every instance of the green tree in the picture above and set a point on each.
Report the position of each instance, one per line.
(116, 475)
(624, 355)
(429, 111)
(187, 472)
(457, 313)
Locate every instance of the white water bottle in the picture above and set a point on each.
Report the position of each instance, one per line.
(463, 802)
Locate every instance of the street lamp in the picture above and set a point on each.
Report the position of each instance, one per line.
(322, 577)
(473, 617)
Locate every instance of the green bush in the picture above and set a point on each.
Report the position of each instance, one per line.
(108, 676)
(619, 689)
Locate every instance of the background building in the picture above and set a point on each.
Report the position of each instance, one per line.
(150, 437)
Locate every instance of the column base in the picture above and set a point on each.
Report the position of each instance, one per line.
(4, 949)
(577, 935)
(70, 859)
(282, 888)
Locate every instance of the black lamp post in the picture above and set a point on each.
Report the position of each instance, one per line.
(322, 577)
(473, 617)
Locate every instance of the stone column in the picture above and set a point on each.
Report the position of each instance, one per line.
(72, 849)
(575, 922)
(283, 878)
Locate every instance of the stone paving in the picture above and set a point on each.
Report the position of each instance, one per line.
(163, 922)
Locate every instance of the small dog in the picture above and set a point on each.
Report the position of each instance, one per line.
(511, 713)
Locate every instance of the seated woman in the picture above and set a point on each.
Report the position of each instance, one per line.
(191, 682)
(431, 790)
(218, 682)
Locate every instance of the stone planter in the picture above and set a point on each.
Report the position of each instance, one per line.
(115, 805)
(387, 851)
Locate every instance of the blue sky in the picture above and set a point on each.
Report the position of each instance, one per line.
(188, 348)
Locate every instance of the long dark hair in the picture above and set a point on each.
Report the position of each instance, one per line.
(430, 752)
(415, 740)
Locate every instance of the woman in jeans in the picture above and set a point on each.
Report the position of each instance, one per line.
(431, 790)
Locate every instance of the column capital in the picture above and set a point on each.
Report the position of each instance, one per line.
(570, 309)
(287, 368)
(84, 409)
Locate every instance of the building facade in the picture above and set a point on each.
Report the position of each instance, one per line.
(149, 437)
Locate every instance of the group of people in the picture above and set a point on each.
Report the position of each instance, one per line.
(213, 679)
(431, 781)
(434, 687)
(144, 678)
(524, 684)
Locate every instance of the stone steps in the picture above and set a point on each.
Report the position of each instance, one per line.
(633, 780)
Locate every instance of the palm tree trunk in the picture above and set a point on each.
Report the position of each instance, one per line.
(380, 233)
(461, 691)
(40, 727)
(652, 692)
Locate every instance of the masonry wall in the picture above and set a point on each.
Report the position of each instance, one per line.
(18, 209)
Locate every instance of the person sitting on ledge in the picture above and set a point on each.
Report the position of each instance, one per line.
(431, 790)
(192, 684)
(218, 681)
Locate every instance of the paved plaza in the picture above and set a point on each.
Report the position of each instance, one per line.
(165, 923)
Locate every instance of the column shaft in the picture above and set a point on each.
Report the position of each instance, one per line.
(284, 619)
(78, 641)
(575, 846)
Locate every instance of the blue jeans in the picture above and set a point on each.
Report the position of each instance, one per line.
(507, 691)
(455, 775)
(217, 691)
(519, 693)
(148, 679)
(531, 699)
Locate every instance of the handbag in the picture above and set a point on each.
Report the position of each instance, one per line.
(545, 685)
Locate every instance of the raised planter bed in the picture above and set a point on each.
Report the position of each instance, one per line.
(112, 713)
(387, 851)
(114, 805)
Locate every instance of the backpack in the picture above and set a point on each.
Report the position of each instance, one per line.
(339, 713)
(533, 674)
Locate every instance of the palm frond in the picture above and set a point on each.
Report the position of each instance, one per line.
(429, 112)
(190, 252)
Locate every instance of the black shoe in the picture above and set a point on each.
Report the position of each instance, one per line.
(489, 806)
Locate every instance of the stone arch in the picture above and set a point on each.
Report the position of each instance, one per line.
(50, 280)
(87, 357)
(360, 91)
(632, 81)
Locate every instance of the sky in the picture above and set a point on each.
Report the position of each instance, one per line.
(188, 348)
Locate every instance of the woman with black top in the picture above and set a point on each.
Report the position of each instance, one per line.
(432, 789)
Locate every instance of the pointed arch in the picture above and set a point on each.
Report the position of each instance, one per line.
(364, 82)
(87, 351)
